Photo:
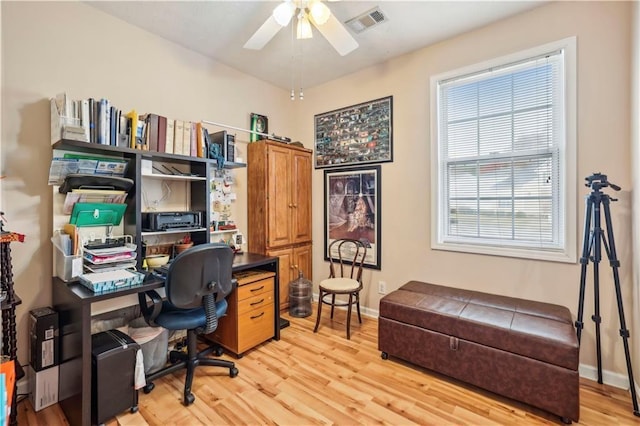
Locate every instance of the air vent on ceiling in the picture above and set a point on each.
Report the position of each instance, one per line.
(367, 20)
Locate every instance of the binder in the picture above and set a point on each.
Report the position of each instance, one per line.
(170, 136)
(97, 214)
(133, 117)
(162, 133)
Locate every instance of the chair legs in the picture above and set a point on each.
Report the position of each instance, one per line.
(190, 360)
(320, 303)
(349, 304)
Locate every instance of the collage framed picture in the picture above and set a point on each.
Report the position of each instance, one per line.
(355, 135)
(352, 209)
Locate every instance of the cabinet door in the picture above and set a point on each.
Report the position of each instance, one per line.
(301, 197)
(279, 202)
(302, 261)
(285, 273)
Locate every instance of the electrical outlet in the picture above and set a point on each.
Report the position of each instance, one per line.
(382, 287)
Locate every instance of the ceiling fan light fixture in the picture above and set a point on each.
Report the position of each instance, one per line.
(303, 29)
(284, 12)
(319, 12)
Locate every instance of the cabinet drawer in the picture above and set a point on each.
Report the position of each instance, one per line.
(255, 302)
(255, 288)
(256, 326)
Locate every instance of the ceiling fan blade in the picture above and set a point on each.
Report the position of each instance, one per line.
(337, 35)
(265, 33)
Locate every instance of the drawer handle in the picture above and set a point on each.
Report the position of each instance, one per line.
(257, 289)
(258, 316)
(257, 303)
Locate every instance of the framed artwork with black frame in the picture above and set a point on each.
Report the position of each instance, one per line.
(355, 135)
(352, 209)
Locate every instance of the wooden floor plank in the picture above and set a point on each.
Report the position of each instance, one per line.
(323, 378)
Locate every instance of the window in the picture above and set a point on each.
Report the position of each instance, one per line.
(503, 153)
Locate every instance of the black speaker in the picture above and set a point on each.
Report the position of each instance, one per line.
(113, 362)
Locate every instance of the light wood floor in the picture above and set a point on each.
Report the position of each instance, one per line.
(308, 378)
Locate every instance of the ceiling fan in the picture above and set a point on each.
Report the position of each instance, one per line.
(307, 12)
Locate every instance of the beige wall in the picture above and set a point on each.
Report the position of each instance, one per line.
(51, 47)
(635, 166)
(603, 38)
(137, 70)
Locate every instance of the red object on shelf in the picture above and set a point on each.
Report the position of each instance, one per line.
(8, 237)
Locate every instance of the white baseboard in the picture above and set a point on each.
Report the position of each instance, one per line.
(23, 384)
(608, 377)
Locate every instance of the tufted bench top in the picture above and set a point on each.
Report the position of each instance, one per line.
(532, 329)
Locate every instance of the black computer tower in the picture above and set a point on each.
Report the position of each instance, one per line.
(113, 362)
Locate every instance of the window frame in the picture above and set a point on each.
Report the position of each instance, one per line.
(567, 152)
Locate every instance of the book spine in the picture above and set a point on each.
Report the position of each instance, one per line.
(93, 114)
(152, 131)
(170, 136)
(102, 121)
(178, 137)
(162, 133)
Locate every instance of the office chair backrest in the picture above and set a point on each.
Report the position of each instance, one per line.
(196, 272)
(346, 258)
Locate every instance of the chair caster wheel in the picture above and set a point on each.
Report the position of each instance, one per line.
(219, 351)
(188, 399)
(384, 355)
(233, 372)
(134, 409)
(148, 388)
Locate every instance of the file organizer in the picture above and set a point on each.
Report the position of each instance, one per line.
(97, 214)
(66, 267)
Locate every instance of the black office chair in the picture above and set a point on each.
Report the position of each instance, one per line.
(197, 283)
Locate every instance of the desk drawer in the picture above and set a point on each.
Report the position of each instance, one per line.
(255, 302)
(255, 288)
(256, 326)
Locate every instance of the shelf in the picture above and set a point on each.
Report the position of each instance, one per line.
(173, 177)
(173, 231)
(225, 231)
(71, 145)
(233, 165)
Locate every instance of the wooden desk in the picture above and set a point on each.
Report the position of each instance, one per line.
(73, 303)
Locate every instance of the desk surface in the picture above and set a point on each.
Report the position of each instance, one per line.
(241, 262)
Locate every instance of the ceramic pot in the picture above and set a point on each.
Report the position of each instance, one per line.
(182, 247)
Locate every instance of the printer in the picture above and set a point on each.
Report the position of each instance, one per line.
(167, 221)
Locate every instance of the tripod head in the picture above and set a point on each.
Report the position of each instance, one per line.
(597, 181)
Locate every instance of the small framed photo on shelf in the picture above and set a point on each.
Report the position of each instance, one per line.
(352, 209)
(355, 135)
(259, 124)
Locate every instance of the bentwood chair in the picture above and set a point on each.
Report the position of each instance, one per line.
(346, 257)
(197, 283)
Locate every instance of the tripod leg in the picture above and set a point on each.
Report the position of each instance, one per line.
(624, 333)
(597, 256)
(584, 261)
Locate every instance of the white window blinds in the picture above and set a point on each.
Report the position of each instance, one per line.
(501, 138)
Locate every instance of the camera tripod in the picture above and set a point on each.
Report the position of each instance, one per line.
(591, 249)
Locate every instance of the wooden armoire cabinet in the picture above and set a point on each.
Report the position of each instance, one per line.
(279, 200)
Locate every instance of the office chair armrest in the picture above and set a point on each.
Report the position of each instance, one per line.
(150, 311)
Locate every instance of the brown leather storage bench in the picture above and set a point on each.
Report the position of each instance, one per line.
(521, 349)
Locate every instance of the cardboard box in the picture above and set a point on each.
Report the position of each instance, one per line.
(43, 387)
(43, 336)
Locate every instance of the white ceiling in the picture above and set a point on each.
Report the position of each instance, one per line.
(219, 29)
